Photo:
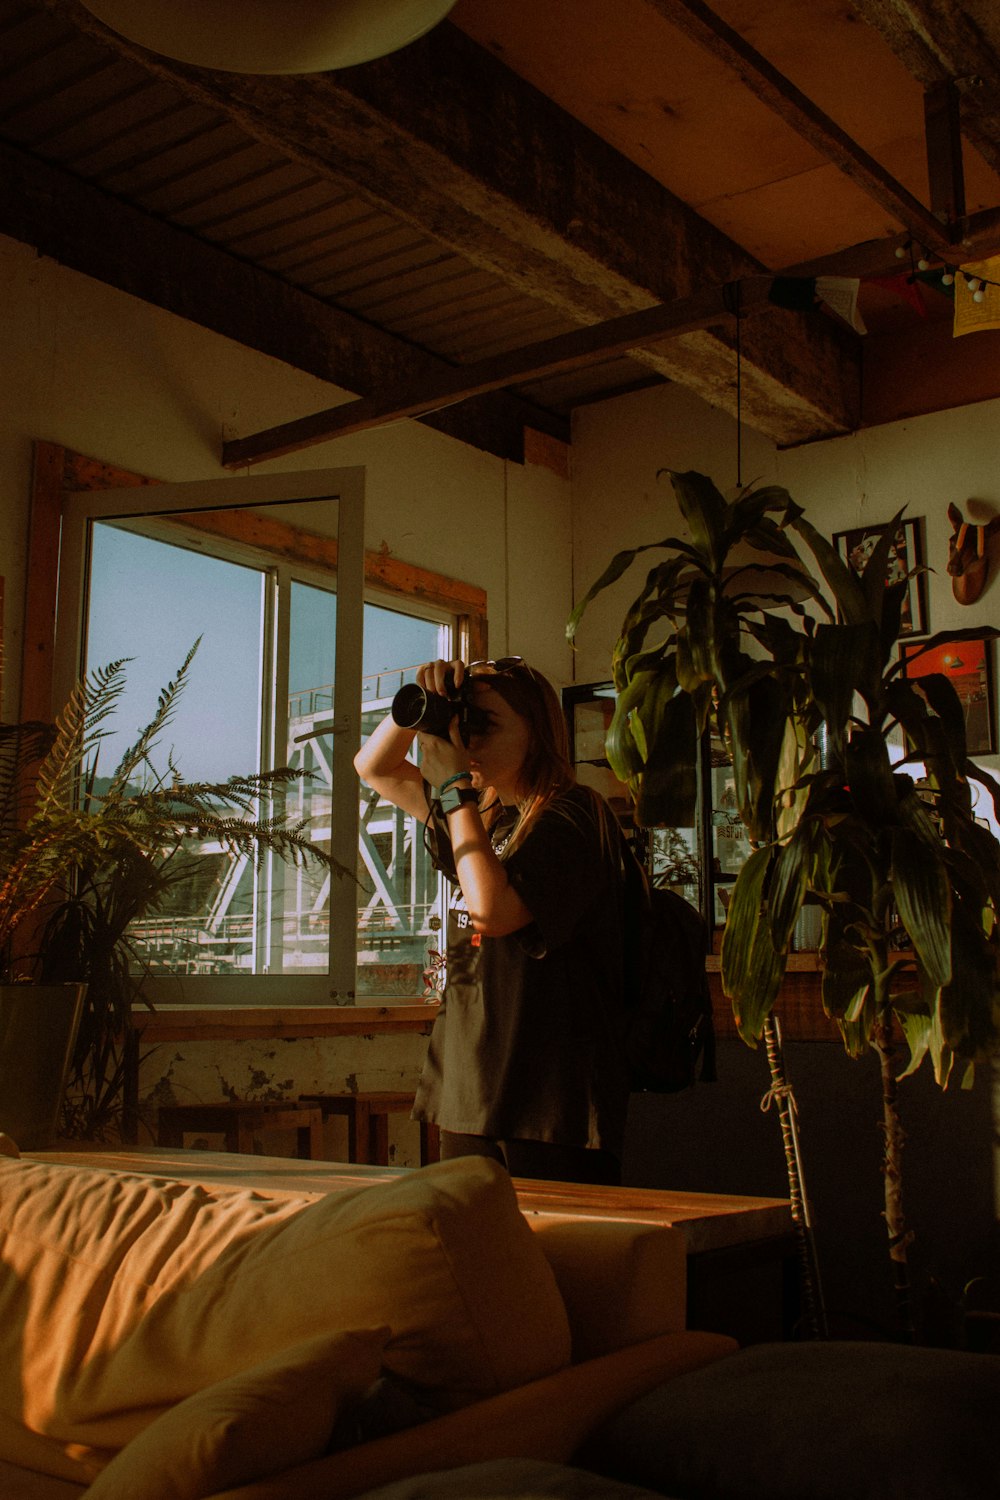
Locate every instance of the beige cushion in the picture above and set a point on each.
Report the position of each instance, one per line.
(621, 1282)
(122, 1295)
(278, 1414)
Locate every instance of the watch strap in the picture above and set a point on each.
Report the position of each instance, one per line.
(456, 796)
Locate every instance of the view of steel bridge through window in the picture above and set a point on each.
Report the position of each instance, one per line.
(225, 918)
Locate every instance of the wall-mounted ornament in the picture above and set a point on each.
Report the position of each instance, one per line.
(968, 555)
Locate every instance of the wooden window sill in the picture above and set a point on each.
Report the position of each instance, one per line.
(242, 1023)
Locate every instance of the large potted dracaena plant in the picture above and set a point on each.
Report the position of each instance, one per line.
(853, 780)
(82, 859)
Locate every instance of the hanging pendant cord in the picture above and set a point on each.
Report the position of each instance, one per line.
(732, 296)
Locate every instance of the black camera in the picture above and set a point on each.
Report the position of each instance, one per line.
(414, 707)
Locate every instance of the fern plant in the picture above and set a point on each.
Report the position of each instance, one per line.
(81, 861)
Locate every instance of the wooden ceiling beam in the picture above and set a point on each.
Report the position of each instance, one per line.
(549, 357)
(942, 42)
(534, 362)
(703, 26)
(87, 230)
(943, 135)
(443, 136)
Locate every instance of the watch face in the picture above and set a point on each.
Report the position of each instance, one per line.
(454, 796)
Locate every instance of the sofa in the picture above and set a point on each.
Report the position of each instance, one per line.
(423, 1339)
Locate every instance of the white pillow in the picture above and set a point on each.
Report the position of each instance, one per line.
(254, 1424)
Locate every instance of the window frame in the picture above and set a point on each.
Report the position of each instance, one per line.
(60, 473)
(346, 486)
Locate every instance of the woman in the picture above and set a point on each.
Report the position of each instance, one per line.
(525, 1062)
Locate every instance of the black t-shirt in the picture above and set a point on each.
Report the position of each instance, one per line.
(525, 1045)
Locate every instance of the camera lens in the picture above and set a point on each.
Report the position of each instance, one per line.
(414, 708)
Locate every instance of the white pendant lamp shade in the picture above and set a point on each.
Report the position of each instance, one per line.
(271, 36)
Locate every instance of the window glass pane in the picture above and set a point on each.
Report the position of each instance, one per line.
(151, 601)
(212, 921)
(225, 917)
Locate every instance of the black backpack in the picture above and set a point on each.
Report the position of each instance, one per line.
(669, 1036)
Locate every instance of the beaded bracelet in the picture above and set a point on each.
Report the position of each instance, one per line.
(458, 776)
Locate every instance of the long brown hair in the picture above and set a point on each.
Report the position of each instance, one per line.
(547, 768)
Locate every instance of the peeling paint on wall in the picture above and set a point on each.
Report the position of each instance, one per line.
(212, 1072)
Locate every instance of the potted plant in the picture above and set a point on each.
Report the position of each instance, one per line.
(853, 781)
(81, 860)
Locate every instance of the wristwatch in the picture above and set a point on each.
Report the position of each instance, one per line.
(456, 796)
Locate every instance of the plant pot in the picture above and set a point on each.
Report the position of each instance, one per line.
(38, 1026)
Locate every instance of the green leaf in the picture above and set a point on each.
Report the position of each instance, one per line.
(917, 1035)
(619, 564)
(876, 569)
(840, 659)
(617, 567)
(625, 757)
(870, 777)
(789, 882)
(843, 581)
(968, 1006)
(752, 969)
(704, 509)
(668, 784)
(923, 898)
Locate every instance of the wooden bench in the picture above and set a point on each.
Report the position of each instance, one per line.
(238, 1121)
(367, 1116)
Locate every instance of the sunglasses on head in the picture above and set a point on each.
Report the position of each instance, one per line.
(502, 663)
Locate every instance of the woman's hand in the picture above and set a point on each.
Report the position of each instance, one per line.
(442, 759)
(441, 677)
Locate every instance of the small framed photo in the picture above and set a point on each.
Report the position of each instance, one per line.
(905, 561)
(967, 663)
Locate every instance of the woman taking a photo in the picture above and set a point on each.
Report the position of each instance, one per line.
(525, 1062)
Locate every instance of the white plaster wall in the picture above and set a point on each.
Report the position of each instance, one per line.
(618, 501)
(199, 1072)
(110, 376)
(922, 463)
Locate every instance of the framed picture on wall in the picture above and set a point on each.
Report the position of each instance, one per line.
(967, 663)
(905, 561)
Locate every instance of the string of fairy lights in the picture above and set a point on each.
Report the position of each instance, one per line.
(921, 259)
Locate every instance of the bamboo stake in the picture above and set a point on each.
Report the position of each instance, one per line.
(781, 1095)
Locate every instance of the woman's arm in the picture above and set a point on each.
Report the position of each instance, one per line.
(382, 763)
(494, 906)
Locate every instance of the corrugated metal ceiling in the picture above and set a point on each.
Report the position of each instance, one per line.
(76, 105)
